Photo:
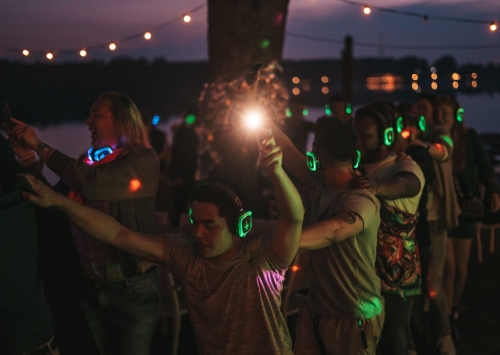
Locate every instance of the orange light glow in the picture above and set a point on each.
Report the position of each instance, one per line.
(432, 294)
(295, 268)
(325, 90)
(405, 134)
(134, 185)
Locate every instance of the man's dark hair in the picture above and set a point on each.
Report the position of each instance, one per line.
(338, 139)
(383, 116)
(299, 100)
(211, 193)
(337, 98)
(427, 96)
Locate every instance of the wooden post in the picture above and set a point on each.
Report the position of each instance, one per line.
(347, 69)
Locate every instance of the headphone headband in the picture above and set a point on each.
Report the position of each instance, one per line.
(227, 191)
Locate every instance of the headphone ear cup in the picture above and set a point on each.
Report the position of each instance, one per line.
(388, 136)
(313, 162)
(460, 114)
(357, 159)
(244, 224)
(422, 123)
(190, 214)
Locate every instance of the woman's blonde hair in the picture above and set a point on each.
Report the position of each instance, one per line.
(128, 123)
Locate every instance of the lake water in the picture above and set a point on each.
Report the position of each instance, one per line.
(482, 112)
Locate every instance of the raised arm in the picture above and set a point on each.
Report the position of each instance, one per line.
(293, 160)
(343, 225)
(285, 241)
(99, 225)
(402, 185)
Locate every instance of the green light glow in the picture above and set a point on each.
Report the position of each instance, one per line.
(358, 159)
(312, 161)
(190, 119)
(265, 43)
(422, 123)
(372, 308)
(348, 108)
(388, 136)
(448, 140)
(460, 114)
(305, 112)
(244, 223)
(328, 111)
(288, 112)
(399, 124)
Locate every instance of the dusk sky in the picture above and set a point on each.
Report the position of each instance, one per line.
(66, 24)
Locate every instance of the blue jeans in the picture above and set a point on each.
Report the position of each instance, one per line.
(123, 315)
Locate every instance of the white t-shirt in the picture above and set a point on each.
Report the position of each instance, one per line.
(234, 304)
(388, 168)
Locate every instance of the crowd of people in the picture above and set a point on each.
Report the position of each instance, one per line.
(386, 204)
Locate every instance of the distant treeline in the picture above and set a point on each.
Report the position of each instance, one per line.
(47, 93)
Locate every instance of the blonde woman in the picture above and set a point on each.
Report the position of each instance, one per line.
(119, 176)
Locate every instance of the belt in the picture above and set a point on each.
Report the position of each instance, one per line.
(48, 348)
(99, 284)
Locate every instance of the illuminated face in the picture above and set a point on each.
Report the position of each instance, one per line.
(212, 236)
(424, 108)
(102, 125)
(444, 115)
(368, 138)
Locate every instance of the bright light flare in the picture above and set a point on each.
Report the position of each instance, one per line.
(405, 134)
(366, 10)
(112, 46)
(134, 185)
(49, 56)
(493, 27)
(83, 53)
(26, 52)
(187, 18)
(253, 119)
(147, 35)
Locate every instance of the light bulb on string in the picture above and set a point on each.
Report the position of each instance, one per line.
(83, 53)
(493, 26)
(366, 9)
(50, 56)
(147, 35)
(187, 18)
(112, 46)
(26, 52)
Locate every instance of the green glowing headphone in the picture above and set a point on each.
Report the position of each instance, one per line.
(399, 124)
(387, 136)
(460, 114)
(244, 220)
(422, 123)
(314, 163)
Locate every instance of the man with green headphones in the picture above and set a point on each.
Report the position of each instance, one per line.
(344, 311)
(398, 184)
(232, 285)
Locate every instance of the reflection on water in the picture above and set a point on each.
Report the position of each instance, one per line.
(482, 112)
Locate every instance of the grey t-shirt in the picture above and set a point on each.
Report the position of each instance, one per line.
(344, 283)
(234, 305)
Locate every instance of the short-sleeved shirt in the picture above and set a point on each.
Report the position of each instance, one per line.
(398, 264)
(234, 304)
(344, 283)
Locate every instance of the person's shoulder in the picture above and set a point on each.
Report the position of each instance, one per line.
(361, 195)
(139, 153)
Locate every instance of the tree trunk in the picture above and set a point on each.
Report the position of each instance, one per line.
(242, 32)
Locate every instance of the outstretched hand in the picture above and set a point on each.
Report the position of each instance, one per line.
(363, 182)
(271, 156)
(42, 194)
(25, 134)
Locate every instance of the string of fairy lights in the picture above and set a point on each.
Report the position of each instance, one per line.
(366, 9)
